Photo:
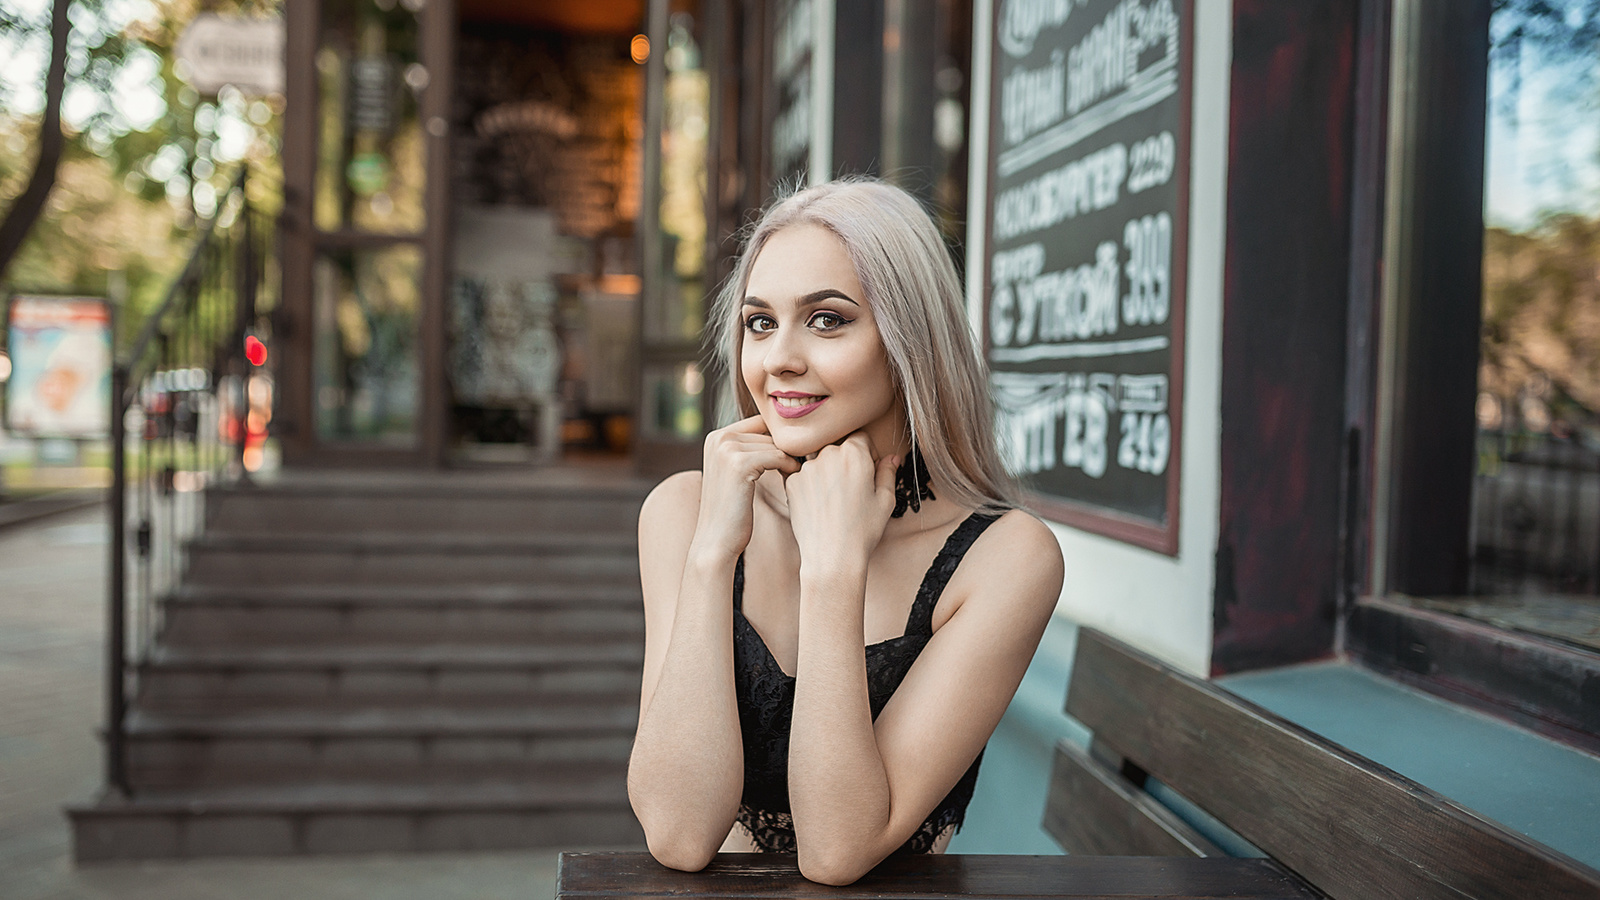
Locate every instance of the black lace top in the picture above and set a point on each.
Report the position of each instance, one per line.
(766, 706)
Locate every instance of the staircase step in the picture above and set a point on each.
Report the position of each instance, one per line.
(205, 680)
(215, 616)
(457, 505)
(587, 806)
(415, 746)
(399, 559)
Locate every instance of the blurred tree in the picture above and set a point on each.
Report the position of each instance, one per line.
(144, 155)
(22, 214)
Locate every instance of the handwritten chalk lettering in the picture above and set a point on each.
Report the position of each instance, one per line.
(1146, 443)
(1022, 20)
(792, 39)
(1057, 418)
(1151, 162)
(1081, 186)
(791, 129)
(1070, 304)
(1142, 393)
(1149, 243)
(1107, 59)
(1031, 100)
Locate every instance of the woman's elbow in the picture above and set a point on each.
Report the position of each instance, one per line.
(674, 852)
(835, 867)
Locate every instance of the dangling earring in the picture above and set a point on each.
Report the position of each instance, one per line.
(912, 485)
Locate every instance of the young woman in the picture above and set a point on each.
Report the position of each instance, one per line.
(840, 604)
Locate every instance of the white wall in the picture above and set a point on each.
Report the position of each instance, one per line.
(1159, 603)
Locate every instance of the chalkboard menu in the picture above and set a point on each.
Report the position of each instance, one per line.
(793, 58)
(1084, 262)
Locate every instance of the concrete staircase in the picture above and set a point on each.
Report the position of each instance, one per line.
(389, 662)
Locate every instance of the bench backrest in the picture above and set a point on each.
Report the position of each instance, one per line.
(1347, 825)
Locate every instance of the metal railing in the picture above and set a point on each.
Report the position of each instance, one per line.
(180, 421)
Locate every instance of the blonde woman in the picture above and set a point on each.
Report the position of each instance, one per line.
(840, 604)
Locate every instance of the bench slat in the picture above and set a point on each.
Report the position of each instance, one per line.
(598, 876)
(1094, 810)
(1348, 825)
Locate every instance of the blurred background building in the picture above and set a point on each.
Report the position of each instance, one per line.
(1290, 310)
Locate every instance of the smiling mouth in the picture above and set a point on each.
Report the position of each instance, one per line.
(793, 406)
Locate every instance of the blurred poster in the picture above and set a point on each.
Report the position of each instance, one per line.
(60, 382)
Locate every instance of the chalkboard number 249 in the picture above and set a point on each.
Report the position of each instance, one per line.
(1146, 442)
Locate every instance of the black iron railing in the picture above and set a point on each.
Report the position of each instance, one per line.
(180, 421)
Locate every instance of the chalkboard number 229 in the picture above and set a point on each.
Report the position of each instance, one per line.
(1146, 442)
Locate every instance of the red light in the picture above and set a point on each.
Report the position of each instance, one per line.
(255, 351)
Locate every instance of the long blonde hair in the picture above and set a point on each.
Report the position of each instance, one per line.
(916, 300)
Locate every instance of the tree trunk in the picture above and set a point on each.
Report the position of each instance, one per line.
(20, 218)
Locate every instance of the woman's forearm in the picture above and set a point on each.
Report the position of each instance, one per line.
(838, 787)
(686, 772)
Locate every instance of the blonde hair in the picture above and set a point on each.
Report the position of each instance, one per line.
(916, 299)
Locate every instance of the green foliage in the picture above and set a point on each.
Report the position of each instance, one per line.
(131, 188)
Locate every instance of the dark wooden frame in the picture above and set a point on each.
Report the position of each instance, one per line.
(1160, 537)
(1537, 682)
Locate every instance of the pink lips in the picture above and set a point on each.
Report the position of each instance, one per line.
(795, 412)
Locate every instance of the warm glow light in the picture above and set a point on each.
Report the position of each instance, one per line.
(255, 351)
(640, 48)
(5, 367)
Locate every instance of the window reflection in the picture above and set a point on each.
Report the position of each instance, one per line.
(1537, 494)
(684, 135)
(370, 145)
(367, 302)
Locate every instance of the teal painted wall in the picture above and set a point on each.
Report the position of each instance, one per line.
(1008, 804)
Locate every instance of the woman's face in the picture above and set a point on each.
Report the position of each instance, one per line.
(811, 356)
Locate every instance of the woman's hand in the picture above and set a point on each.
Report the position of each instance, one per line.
(735, 458)
(840, 502)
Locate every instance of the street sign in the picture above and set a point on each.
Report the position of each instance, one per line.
(217, 50)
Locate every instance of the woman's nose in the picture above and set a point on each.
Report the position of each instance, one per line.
(784, 354)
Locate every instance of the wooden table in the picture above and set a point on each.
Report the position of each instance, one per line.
(594, 876)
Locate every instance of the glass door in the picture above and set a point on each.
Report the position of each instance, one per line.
(363, 231)
(675, 408)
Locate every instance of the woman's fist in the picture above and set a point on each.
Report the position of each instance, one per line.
(735, 459)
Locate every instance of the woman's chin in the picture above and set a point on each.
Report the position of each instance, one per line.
(797, 441)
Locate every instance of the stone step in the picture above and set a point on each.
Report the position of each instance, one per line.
(216, 616)
(346, 677)
(588, 806)
(533, 742)
(328, 560)
(465, 507)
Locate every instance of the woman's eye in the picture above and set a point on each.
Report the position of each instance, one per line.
(760, 324)
(827, 321)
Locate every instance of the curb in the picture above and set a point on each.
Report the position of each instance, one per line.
(25, 512)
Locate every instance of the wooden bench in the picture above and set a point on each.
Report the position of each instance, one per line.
(1332, 822)
(1348, 826)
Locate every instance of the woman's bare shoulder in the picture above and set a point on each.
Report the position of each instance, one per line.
(673, 502)
(1022, 553)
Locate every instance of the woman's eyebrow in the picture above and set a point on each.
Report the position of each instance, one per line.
(810, 299)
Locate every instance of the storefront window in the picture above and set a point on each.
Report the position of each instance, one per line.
(685, 132)
(1536, 521)
(366, 308)
(370, 143)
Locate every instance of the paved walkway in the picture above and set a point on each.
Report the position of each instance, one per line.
(52, 607)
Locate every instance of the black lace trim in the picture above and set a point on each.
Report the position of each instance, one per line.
(765, 695)
(912, 484)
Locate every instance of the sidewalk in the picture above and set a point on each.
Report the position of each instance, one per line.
(52, 610)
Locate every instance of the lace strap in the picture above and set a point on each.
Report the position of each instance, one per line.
(944, 565)
(738, 583)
